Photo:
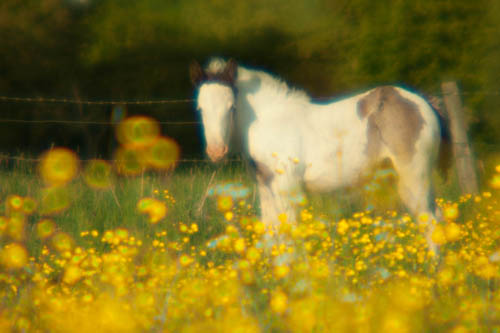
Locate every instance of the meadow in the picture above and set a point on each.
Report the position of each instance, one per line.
(92, 246)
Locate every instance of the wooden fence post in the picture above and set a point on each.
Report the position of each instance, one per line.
(464, 161)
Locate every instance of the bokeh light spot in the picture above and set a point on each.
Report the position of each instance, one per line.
(97, 174)
(72, 274)
(163, 153)
(224, 203)
(62, 242)
(29, 205)
(14, 256)
(16, 227)
(3, 224)
(155, 209)
(14, 202)
(58, 166)
(138, 131)
(129, 161)
(45, 228)
(54, 200)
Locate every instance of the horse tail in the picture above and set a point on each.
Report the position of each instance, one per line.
(445, 149)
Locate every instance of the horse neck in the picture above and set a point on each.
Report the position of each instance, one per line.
(261, 96)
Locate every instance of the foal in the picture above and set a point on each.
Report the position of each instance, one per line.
(295, 143)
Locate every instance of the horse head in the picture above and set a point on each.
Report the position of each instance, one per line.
(215, 101)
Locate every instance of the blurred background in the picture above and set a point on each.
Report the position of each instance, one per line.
(106, 50)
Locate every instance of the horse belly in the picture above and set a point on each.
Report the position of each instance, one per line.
(333, 174)
(335, 162)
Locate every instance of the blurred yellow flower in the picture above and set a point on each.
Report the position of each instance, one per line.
(451, 212)
(155, 208)
(129, 161)
(45, 228)
(438, 235)
(495, 181)
(58, 166)
(54, 200)
(29, 205)
(185, 260)
(72, 274)
(259, 227)
(253, 255)
(224, 203)
(342, 227)
(62, 242)
(281, 271)
(138, 131)
(239, 245)
(279, 302)
(14, 202)
(452, 231)
(98, 174)
(14, 256)
(163, 153)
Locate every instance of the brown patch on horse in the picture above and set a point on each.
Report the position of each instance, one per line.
(366, 104)
(392, 120)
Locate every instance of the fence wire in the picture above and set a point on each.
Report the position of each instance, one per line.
(40, 100)
(36, 100)
(89, 122)
(37, 160)
(88, 102)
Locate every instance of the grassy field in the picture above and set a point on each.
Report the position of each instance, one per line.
(182, 251)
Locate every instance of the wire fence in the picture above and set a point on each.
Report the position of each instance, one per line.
(36, 100)
(85, 122)
(88, 102)
(45, 100)
(37, 160)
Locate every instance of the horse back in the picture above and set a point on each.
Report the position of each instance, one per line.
(398, 121)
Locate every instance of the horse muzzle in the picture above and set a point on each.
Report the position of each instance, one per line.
(215, 153)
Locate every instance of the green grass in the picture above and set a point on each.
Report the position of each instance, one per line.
(376, 271)
(101, 210)
(107, 209)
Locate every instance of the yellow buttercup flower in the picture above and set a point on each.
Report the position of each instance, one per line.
(342, 227)
(495, 181)
(281, 271)
(439, 235)
(239, 245)
(279, 302)
(14, 256)
(452, 231)
(224, 203)
(451, 212)
(72, 274)
(155, 208)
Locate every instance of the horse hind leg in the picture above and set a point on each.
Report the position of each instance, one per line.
(415, 191)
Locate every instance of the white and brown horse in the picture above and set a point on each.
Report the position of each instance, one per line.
(295, 143)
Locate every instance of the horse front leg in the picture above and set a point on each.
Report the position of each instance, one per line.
(276, 209)
(275, 204)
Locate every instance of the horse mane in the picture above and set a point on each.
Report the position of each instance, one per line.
(274, 85)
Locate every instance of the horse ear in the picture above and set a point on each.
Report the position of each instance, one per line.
(196, 73)
(229, 74)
